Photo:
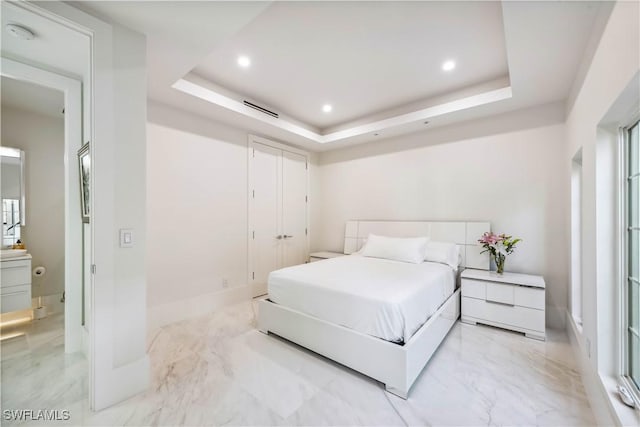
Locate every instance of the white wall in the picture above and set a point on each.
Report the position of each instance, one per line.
(129, 186)
(507, 170)
(197, 222)
(614, 65)
(42, 139)
(116, 128)
(197, 215)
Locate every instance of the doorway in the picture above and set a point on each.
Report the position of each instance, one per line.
(45, 127)
(70, 90)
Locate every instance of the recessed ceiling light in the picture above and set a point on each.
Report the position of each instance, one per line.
(244, 61)
(20, 32)
(448, 65)
(327, 108)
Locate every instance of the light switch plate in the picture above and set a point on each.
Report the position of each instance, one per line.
(126, 238)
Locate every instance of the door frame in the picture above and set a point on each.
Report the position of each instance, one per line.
(73, 241)
(251, 139)
(112, 378)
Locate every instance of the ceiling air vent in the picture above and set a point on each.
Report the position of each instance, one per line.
(261, 109)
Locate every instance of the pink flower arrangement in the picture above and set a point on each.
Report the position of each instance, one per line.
(499, 246)
(489, 238)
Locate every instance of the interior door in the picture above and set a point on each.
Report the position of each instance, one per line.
(294, 209)
(266, 200)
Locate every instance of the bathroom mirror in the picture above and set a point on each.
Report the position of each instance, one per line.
(12, 194)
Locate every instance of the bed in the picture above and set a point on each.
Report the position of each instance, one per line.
(386, 299)
(381, 317)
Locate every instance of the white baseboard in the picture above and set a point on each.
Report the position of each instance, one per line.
(160, 315)
(607, 409)
(52, 302)
(592, 385)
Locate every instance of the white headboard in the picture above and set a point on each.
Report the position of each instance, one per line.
(464, 234)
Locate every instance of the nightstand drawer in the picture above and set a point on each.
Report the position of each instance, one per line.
(504, 315)
(474, 288)
(529, 297)
(500, 292)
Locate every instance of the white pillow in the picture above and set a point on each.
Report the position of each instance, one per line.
(443, 252)
(395, 248)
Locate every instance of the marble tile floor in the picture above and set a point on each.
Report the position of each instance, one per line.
(35, 373)
(219, 370)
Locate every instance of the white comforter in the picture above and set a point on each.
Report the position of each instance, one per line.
(383, 298)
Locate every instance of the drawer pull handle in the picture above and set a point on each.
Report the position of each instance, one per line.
(500, 303)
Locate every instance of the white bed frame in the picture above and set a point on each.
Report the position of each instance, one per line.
(397, 366)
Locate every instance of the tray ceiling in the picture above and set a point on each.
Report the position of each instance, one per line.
(378, 64)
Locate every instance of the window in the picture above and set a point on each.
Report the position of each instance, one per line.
(632, 242)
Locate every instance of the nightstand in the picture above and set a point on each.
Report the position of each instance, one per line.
(319, 256)
(510, 301)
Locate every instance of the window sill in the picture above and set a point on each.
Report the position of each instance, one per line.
(625, 415)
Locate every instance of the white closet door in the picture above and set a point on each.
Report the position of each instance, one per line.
(294, 208)
(266, 200)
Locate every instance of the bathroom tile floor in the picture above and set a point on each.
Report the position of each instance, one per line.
(35, 371)
(219, 370)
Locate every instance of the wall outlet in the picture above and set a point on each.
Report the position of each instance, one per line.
(225, 283)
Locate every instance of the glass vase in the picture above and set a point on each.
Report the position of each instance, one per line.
(500, 259)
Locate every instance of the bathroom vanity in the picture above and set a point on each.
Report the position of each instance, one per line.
(15, 283)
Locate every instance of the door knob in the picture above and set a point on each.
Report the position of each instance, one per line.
(287, 237)
(279, 236)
